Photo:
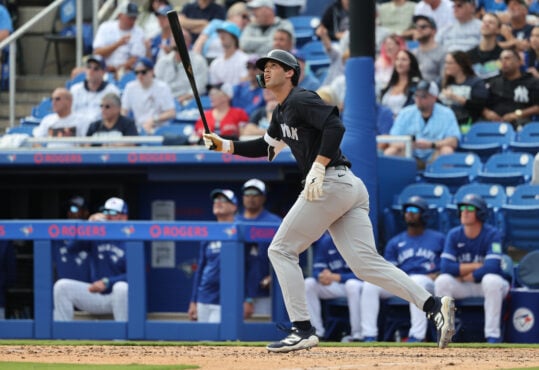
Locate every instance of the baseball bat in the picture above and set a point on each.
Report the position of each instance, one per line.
(177, 32)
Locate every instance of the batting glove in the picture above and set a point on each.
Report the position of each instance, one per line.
(313, 182)
(213, 141)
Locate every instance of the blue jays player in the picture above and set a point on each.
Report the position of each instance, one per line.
(107, 290)
(257, 265)
(416, 251)
(332, 278)
(205, 305)
(471, 263)
(333, 199)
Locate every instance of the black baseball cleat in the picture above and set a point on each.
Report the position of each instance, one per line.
(443, 316)
(296, 340)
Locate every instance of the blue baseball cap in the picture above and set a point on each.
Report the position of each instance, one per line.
(147, 63)
(163, 10)
(228, 194)
(230, 28)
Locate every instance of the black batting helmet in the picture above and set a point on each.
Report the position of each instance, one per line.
(417, 201)
(284, 58)
(478, 202)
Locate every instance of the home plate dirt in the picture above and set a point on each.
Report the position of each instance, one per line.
(257, 358)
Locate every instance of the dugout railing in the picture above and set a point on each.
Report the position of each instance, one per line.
(138, 327)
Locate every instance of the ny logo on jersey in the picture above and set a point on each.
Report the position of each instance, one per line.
(289, 132)
(521, 95)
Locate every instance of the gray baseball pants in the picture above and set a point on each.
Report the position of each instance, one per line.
(343, 209)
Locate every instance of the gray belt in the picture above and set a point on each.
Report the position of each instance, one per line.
(339, 167)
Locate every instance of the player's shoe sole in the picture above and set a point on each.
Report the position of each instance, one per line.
(295, 341)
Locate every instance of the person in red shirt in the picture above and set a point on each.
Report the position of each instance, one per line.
(222, 118)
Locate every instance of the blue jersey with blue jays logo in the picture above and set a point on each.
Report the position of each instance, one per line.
(326, 256)
(71, 258)
(416, 254)
(108, 260)
(485, 248)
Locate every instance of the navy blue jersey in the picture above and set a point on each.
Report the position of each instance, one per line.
(108, 261)
(416, 254)
(485, 248)
(71, 259)
(326, 256)
(257, 264)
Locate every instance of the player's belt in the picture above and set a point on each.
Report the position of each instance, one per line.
(339, 167)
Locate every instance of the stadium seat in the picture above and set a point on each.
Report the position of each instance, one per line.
(527, 139)
(175, 134)
(453, 170)
(315, 55)
(527, 273)
(204, 99)
(304, 28)
(42, 109)
(78, 78)
(316, 7)
(521, 218)
(487, 138)
(508, 169)
(125, 79)
(22, 129)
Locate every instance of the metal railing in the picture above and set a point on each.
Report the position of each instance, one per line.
(11, 40)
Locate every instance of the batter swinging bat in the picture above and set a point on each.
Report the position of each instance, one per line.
(177, 32)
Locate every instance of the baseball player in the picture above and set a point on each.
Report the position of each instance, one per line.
(332, 278)
(471, 263)
(107, 291)
(416, 251)
(333, 199)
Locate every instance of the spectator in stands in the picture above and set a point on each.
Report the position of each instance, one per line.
(396, 15)
(513, 95)
(416, 251)
(430, 55)
(400, 90)
(336, 19)
(87, 94)
(196, 15)
(8, 265)
(257, 37)
(385, 62)
(433, 126)
(112, 125)
(289, 8)
(464, 34)
(205, 304)
(283, 39)
(231, 67)
(161, 44)
(170, 70)
(248, 94)
(471, 263)
(257, 264)
(462, 91)
(517, 33)
(439, 10)
(208, 42)
(147, 19)
(332, 278)
(6, 27)
(224, 120)
(490, 6)
(485, 56)
(532, 54)
(63, 122)
(335, 53)
(71, 257)
(120, 41)
(260, 119)
(107, 290)
(150, 100)
(380, 34)
(306, 80)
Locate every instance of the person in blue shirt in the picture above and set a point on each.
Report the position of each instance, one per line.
(106, 293)
(332, 278)
(471, 263)
(416, 251)
(247, 94)
(434, 126)
(257, 264)
(205, 304)
(8, 266)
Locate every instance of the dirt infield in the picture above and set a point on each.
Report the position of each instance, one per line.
(257, 358)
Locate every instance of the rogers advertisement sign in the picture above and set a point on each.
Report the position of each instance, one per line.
(57, 231)
(157, 231)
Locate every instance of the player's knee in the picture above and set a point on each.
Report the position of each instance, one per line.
(310, 284)
(442, 284)
(352, 287)
(120, 288)
(60, 287)
(491, 283)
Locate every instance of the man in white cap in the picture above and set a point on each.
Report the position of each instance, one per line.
(257, 272)
(106, 293)
(433, 125)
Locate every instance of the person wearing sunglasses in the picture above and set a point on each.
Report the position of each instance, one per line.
(430, 55)
(106, 290)
(465, 33)
(112, 124)
(416, 251)
(471, 263)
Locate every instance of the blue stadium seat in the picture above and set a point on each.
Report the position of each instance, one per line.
(316, 7)
(175, 134)
(527, 273)
(315, 55)
(204, 99)
(521, 218)
(125, 79)
(304, 28)
(508, 169)
(78, 78)
(527, 139)
(487, 138)
(42, 109)
(453, 170)
(22, 129)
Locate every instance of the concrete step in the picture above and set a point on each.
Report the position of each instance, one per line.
(21, 110)
(36, 83)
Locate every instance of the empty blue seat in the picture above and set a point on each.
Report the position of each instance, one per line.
(521, 218)
(125, 79)
(42, 109)
(78, 78)
(22, 129)
(304, 28)
(487, 138)
(453, 170)
(315, 55)
(527, 139)
(204, 100)
(316, 7)
(508, 169)
(175, 134)
(527, 274)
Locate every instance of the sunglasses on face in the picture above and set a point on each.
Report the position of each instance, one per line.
(73, 209)
(93, 68)
(141, 72)
(421, 26)
(56, 98)
(412, 209)
(111, 212)
(468, 208)
(105, 106)
(220, 199)
(251, 192)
